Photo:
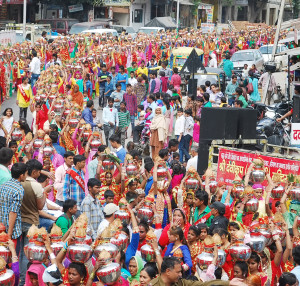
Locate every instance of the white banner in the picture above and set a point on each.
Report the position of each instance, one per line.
(295, 134)
(7, 38)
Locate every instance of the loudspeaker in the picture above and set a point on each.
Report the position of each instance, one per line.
(296, 109)
(219, 123)
(203, 156)
(192, 87)
(247, 123)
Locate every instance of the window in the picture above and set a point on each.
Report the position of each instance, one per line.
(138, 16)
(60, 25)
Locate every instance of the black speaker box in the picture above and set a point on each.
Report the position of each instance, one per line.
(247, 123)
(296, 109)
(203, 156)
(192, 85)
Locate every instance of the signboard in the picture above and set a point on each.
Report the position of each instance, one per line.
(207, 27)
(241, 2)
(75, 8)
(295, 134)
(120, 3)
(209, 14)
(234, 163)
(7, 38)
(17, 2)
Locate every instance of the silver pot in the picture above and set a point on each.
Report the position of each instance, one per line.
(35, 252)
(257, 243)
(56, 245)
(86, 135)
(237, 192)
(109, 274)
(73, 122)
(161, 173)
(145, 213)
(204, 260)
(148, 253)
(48, 151)
(252, 205)
(111, 248)
(120, 241)
(79, 252)
(280, 232)
(240, 251)
(267, 234)
(16, 135)
(192, 184)
(123, 215)
(5, 253)
(66, 112)
(58, 108)
(278, 192)
(95, 144)
(7, 278)
(37, 144)
(131, 170)
(213, 186)
(107, 165)
(221, 257)
(295, 194)
(258, 175)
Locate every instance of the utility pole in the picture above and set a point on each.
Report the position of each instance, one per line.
(177, 12)
(24, 19)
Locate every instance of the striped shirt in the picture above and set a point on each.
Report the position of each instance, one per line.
(71, 189)
(93, 210)
(11, 196)
(124, 119)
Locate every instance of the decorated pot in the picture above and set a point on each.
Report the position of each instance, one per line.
(240, 251)
(131, 170)
(48, 151)
(161, 173)
(257, 242)
(252, 205)
(5, 253)
(237, 191)
(88, 240)
(86, 135)
(51, 98)
(109, 274)
(264, 231)
(221, 257)
(37, 144)
(120, 241)
(295, 194)
(56, 244)
(258, 175)
(43, 96)
(145, 213)
(111, 248)
(58, 108)
(95, 144)
(280, 232)
(205, 259)
(80, 251)
(213, 184)
(148, 253)
(107, 165)
(73, 122)
(192, 184)
(16, 135)
(122, 214)
(35, 252)
(277, 192)
(7, 277)
(66, 112)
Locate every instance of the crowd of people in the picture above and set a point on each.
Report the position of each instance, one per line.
(84, 172)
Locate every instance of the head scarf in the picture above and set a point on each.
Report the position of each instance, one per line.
(77, 96)
(159, 123)
(140, 266)
(38, 269)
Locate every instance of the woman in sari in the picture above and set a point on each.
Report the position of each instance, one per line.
(158, 130)
(135, 267)
(77, 96)
(194, 244)
(177, 248)
(255, 268)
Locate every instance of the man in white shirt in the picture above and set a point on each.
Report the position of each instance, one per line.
(60, 174)
(132, 80)
(179, 124)
(108, 212)
(193, 161)
(35, 68)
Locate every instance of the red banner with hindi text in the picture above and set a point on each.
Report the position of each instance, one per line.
(234, 163)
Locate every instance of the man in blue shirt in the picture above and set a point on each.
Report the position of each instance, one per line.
(228, 66)
(230, 90)
(108, 89)
(152, 104)
(115, 142)
(122, 78)
(87, 114)
(54, 138)
(102, 75)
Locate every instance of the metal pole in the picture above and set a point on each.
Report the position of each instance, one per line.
(274, 47)
(288, 80)
(24, 19)
(177, 16)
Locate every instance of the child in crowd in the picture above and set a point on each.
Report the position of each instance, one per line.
(196, 131)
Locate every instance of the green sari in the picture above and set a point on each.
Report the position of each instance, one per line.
(140, 266)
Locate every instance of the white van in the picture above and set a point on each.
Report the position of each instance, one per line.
(101, 31)
(149, 30)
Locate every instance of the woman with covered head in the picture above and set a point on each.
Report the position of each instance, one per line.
(77, 96)
(158, 130)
